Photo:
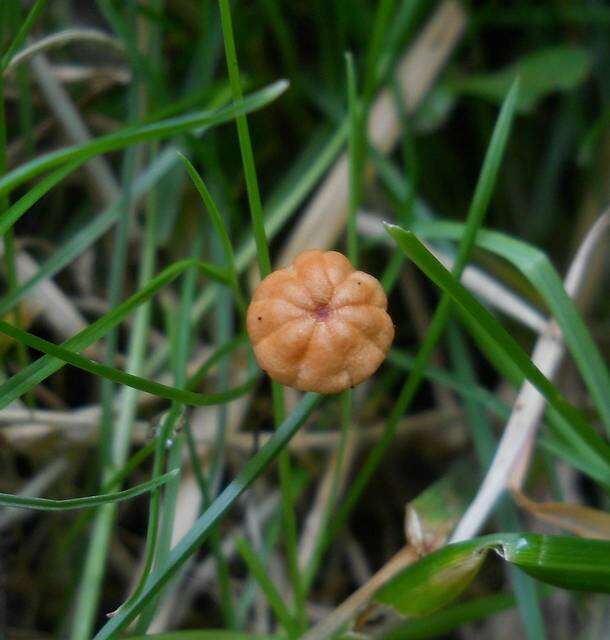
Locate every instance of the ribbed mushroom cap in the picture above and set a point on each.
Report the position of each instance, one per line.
(320, 325)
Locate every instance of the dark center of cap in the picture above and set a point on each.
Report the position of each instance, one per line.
(322, 312)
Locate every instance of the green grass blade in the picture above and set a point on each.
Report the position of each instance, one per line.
(258, 570)
(121, 377)
(47, 504)
(537, 268)
(202, 527)
(264, 262)
(219, 227)
(137, 134)
(13, 213)
(478, 208)
(254, 198)
(91, 232)
(580, 429)
(165, 430)
(47, 365)
(22, 34)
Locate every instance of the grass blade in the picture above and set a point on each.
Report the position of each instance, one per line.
(47, 365)
(219, 227)
(264, 262)
(121, 377)
(478, 208)
(47, 504)
(22, 34)
(257, 569)
(537, 268)
(134, 135)
(202, 527)
(580, 430)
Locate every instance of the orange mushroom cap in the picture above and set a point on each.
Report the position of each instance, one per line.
(320, 325)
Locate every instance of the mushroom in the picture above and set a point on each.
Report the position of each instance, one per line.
(320, 325)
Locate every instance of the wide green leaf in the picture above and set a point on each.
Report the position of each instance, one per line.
(564, 561)
(436, 580)
(569, 562)
(542, 72)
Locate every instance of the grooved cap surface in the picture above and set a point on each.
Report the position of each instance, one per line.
(320, 325)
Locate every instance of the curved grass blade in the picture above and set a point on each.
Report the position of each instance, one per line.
(537, 268)
(134, 135)
(47, 365)
(203, 526)
(477, 210)
(121, 377)
(580, 432)
(47, 504)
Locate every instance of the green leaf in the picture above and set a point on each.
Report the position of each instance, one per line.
(580, 433)
(564, 561)
(537, 268)
(543, 72)
(569, 562)
(133, 135)
(436, 579)
(47, 504)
